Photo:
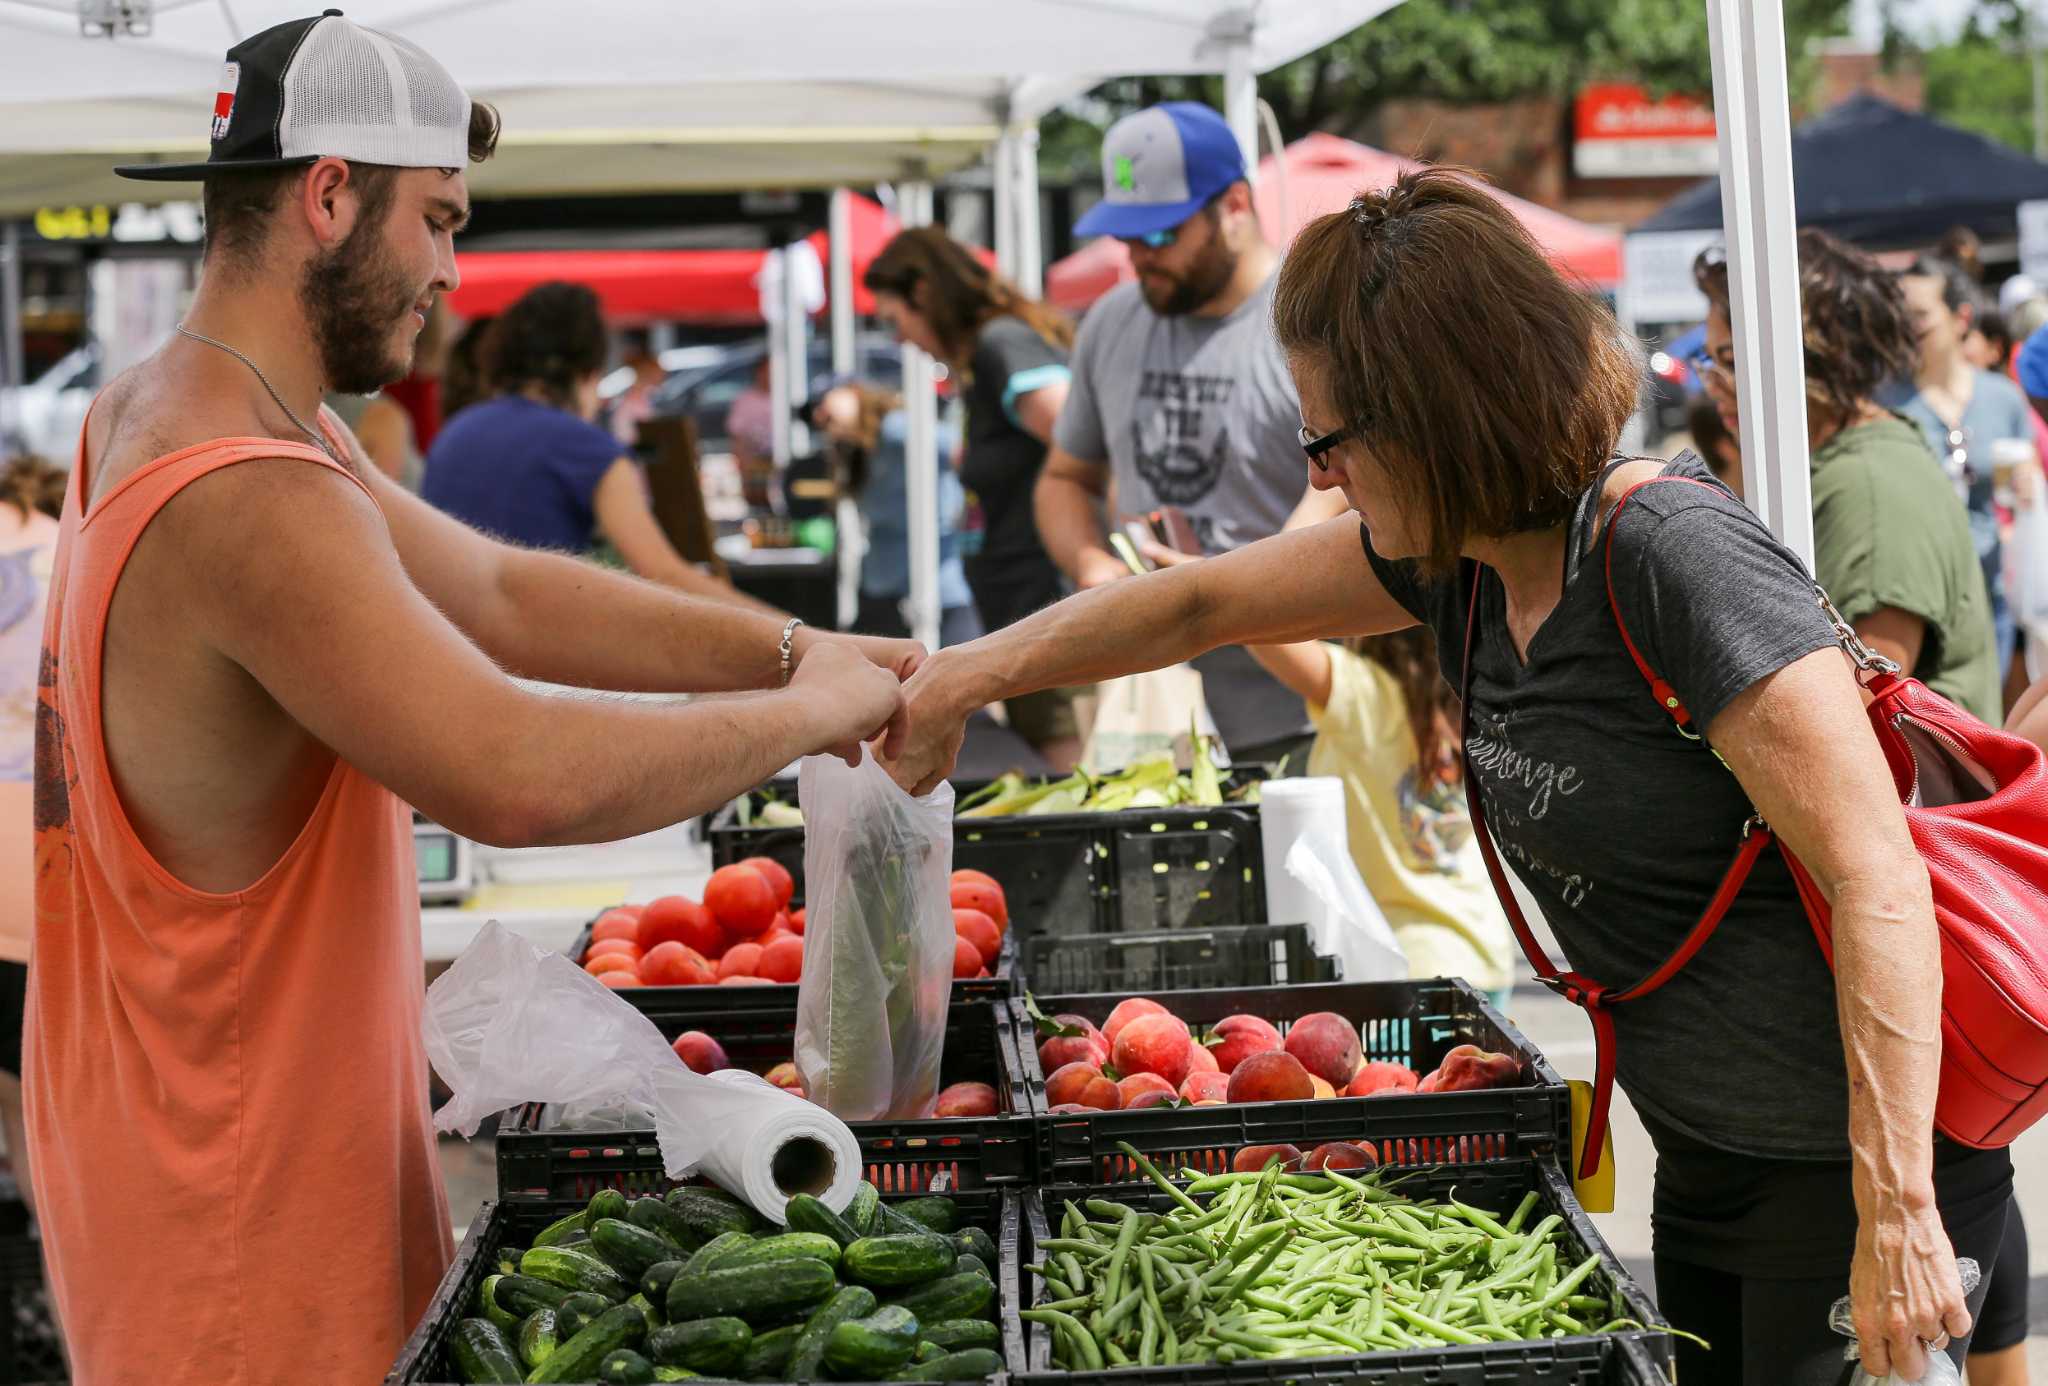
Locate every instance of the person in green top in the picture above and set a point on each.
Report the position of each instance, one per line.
(1891, 539)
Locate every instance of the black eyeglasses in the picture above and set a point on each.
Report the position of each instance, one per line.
(1318, 447)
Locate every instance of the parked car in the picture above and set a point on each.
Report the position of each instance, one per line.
(705, 393)
(45, 415)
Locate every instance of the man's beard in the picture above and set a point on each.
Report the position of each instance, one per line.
(1202, 281)
(353, 301)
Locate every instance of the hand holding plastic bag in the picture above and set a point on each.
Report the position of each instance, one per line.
(1941, 1371)
(878, 940)
(511, 1023)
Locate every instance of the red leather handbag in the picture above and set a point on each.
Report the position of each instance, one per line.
(1976, 801)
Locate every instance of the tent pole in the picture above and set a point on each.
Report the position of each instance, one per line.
(921, 457)
(796, 324)
(13, 366)
(1029, 274)
(850, 544)
(1003, 223)
(781, 388)
(1241, 100)
(1751, 101)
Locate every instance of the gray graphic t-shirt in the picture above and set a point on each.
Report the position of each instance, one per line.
(1197, 413)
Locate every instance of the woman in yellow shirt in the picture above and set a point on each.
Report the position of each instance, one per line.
(1387, 725)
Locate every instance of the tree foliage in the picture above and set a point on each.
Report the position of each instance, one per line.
(1981, 78)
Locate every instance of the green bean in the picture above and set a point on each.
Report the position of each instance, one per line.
(1116, 1355)
(1121, 1311)
(1530, 1202)
(1083, 1341)
(1431, 1326)
(1074, 1246)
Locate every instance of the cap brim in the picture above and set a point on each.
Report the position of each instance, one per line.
(1128, 219)
(189, 173)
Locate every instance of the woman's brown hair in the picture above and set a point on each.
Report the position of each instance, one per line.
(1433, 711)
(1858, 334)
(961, 293)
(31, 482)
(1487, 388)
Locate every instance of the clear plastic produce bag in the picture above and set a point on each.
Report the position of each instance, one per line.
(1941, 1371)
(878, 940)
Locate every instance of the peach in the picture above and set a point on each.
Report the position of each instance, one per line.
(966, 1100)
(1205, 1087)
(1127, 1011)
(1082, 1084)
(1243, 1036)
(1254, 1158)
(1153, 1044)
(1327, 1045)
(1342, 1155)
(1152, 1097)
(1321, 1085)
(1062, 1050)
(782, 960)
(1271, 1077)
(700, 1052)
(1082, 1023)
(1071, 1109)
(1381, 1077)
(740, 960)
(1131, 1085)
(784, 1075)
(1469, 1068)
(1202, 1059)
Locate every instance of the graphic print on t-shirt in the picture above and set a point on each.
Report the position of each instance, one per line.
(1521, 788)
(1169, 433)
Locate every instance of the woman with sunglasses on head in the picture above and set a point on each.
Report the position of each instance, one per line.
(1466, 401)
(1891, 541)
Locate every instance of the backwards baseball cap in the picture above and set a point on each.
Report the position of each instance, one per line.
(313, 88)
(1161, 166)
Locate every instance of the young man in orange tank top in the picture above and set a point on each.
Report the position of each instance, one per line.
(257, 656)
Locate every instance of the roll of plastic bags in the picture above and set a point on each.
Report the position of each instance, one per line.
(511, 1022)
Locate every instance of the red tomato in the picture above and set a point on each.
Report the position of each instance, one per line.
(741, 900)
(740, 960)
(610, 962)
(973, 895)
(966, 873)
(742, 981)
(623, 922)
(966, 958)
(783, 960)
(981, 931)
(618, 981)
(778, 878)
(612, 945)
(674, 964)
(796, 921)
(679, 919)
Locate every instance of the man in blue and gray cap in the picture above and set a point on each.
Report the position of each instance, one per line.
(1180, 402)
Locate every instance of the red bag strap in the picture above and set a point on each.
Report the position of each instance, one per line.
(1575, 987)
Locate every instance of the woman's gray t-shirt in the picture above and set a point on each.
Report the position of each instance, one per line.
(1621, 827)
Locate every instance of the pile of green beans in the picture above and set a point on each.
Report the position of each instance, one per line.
(1302, 1265)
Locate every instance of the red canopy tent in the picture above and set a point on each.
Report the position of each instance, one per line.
(637, 286)
(1322, 174)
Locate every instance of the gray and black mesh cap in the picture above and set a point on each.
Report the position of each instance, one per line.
(325, 87)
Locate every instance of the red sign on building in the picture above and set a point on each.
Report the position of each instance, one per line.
(1620, 132)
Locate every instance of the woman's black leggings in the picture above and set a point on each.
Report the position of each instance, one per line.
(1773, 1331)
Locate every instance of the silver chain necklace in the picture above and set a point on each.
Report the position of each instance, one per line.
(318, 440)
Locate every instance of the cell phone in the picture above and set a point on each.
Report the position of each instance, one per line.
(1171, 527)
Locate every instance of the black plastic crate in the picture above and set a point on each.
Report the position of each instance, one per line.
(1000, 985)
(425, 1356)
(1078, 873)
(1604, 1359)
(1415, 1023)
(1235, 955)
(31, 1347)
(757, 1028)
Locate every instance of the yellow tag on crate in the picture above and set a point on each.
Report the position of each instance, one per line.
(1595, 1195)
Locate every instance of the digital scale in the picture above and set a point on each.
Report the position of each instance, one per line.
(447, 863)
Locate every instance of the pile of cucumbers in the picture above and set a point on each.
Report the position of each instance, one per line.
(696, 1286)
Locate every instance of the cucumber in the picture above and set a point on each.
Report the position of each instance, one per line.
(629, 1249)
(769, 1353)
(873, 1347)
(969, 1364)
(625, 1368)
(715, 1345)
(538, 1338)
(574, 1270)
(957, 1335)
(890, 1222)
(790, 1245)
(898, 1259)
(663, 1221)
(866, 1206)
(706, 1255)
(709, 1212)
(751, 1292)
(521, 1295)
(554, 1232)
(958, 1296)
(506, 1262)
(807, 1357)
(654, 1280)
(972, 1263)
(575, 1311)
(481, 1353)
(807, 1214)
(487, 1301)
(927, 1351)
(972, 1241)
(605, 1203)
(662, 1373)
(577, 1358)
(655, 1318)
(939, 1214)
